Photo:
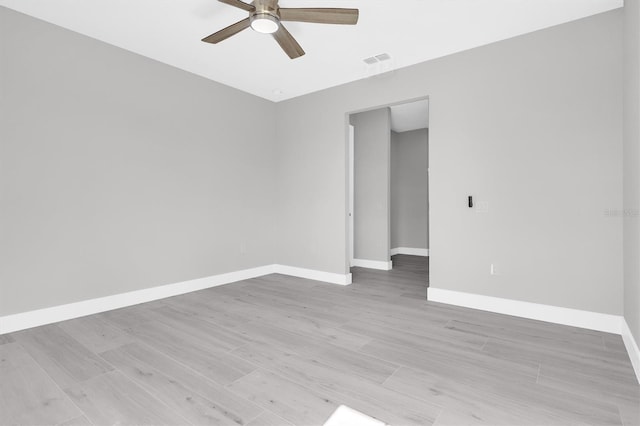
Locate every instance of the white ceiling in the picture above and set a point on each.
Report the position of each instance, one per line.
(411, 31)
(410, 116)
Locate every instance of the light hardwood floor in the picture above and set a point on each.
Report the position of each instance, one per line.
(278, 350)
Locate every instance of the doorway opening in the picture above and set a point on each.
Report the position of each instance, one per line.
(388, 187)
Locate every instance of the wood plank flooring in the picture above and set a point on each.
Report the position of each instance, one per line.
(278, 350)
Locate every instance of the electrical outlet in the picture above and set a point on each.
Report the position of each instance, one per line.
(494, 270)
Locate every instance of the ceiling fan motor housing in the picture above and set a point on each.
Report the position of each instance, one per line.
(266, 7)
(265, 18)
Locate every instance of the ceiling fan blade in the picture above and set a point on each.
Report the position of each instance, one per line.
(288, 43)
(225, 33)
(239, 4)
(320, 15)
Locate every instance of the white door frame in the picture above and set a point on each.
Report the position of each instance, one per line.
(350, 226)
(351, 193)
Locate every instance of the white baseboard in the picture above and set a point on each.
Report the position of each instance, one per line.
(632, 348)
(29, 319)
(372, 264)
(410, 250)
(555, 314)
(311, 274)
(58, 313)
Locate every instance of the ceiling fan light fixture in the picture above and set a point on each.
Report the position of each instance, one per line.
(264, 23)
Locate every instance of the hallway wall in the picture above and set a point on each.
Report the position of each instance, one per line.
(410, 189)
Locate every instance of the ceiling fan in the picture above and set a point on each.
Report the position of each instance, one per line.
(265, 16)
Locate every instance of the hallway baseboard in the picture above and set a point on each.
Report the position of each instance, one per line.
(409, 250)
(372, 264)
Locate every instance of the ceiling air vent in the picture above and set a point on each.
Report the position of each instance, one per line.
(378, 64)
(378, 58)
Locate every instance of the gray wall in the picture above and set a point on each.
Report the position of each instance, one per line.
(632, 167)
(119, 173)
(371, 184)
(530, 125)
(410, 189)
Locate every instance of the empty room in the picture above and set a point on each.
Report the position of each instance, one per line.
(328, 212)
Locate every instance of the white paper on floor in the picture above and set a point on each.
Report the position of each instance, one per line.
(345, 416)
